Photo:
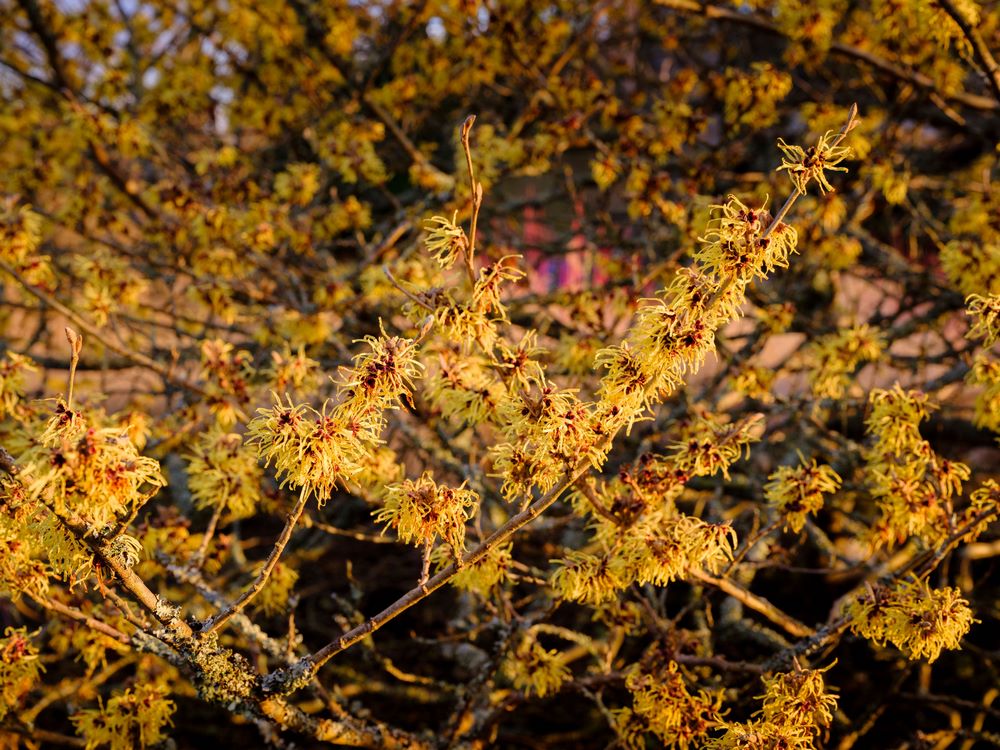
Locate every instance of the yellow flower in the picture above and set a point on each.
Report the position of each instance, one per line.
(223, 473)
(20, 232)
(808, 164)
(588, 578)
(19, 668)
(481, 576)
(833, 359)
(796, 708)
(310, 449)
(13, 368)
(798, 492)
(916, 619)
(135, 718)
(535, 669)
(659, 551)
(672, 712)
(420, 511)
(985, 312)
(379, 379)
(446, 241)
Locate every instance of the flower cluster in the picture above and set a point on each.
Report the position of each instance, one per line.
(109, 283)
(519, 363)
(535, 669)
(805, 165)
(19, 668)
(473, 322)
(484, 574)
(21, 569)
(672, 334)
(35, 546)
(797, 492)
(918, 620)
(833, 359)
(379, 379)
(13, 369)
(913, 486)
(985, 313)
(134, 718)
(797, 707)
(740, 243)
(311, 449)
(666, 707)
(20, 232)
(709, 444)
(752, 96)
(420, 511)
(799, 699)
(273, 598)
(315, 449)
(643, 536)
(227, 372)
(705, 444)
(983, 509)
(93, 471)
(660, 552)
(655, 550)
(223, 473)
(589, 578)
(972, 266)
(898, 21)
(463, 388)
(487, 289)
(548, 432)
(464, 325)
(985, 372)
(292, 371)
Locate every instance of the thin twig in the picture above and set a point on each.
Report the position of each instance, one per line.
(757, 603)
(279, 680)
(476, 199)
(750, 543)
(199, 556)
(588, 492)
(94, 624)
(410, 295)
(272, 560)
(138, 358)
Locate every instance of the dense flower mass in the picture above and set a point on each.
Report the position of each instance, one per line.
(92, 471)
(797, 708)
(224, 473)
(985, 312)
(135, 718)
(798, 492)
(19, 668)
(918, 620)
(663, 703)
(420, 511)
(529, 373)
(315, 449)
(913, 485)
